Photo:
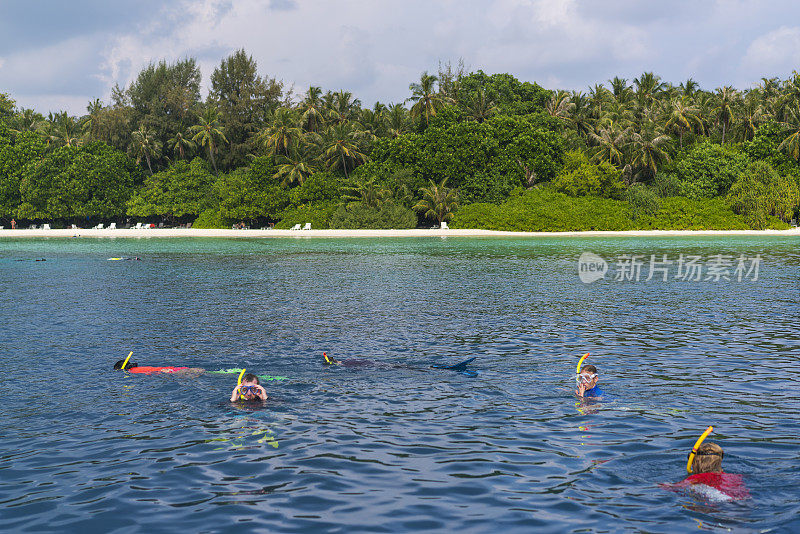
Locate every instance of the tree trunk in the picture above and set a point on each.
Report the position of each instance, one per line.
(344, 166)
(211, 153)
(724, 127)
(147, 157)
(680, 137)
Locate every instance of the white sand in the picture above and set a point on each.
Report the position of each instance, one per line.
(193, 232)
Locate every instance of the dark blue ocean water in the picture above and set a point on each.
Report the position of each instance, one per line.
(383, 449)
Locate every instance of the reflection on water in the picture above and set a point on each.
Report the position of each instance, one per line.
(388, 448)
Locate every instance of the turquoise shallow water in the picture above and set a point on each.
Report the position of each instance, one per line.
(392, 449)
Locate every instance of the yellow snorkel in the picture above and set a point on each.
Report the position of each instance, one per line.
(239, 381)
(696, 445)
(126, 360)
(578, 369)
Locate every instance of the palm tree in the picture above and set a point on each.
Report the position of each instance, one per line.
(340, 148)
(611, 142)
(345, 106)
(791, 143)
(282, 133)
(438, 201)
(295, 167)
(683, 118)
(751, 115)
(68, 131)
(479, 107)
(426, 100)
(313, 110)
(144, 145)
(689, 88)
(180, 145)
(208, 133)
(368, 193)
(560, 105)
(726, 98)
(26, 121)
(598, 96)
(397, 120)
(649, 150)
(581, 118)
(621, 90)
(648, 88)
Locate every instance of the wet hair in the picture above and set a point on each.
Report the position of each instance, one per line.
(118, 365)
(591, 368)
(708, 459)
(250, 377)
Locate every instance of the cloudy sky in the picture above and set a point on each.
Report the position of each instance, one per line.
(58, 55)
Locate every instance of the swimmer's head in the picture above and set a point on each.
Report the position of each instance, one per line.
(118, 365)
(708, 459)
(250, 378)
(327, 360)
(588, 376)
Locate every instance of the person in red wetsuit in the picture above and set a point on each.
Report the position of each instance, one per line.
(147, 370)
(709, 480)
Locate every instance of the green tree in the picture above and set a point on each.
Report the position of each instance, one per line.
(726, 101)
(90, 181)
(282, 133)
(209, 133)
(144, 145)
(181, 190)
(683, 118)
(427, 101)
(245, 102)
(341, 148)
(709, 169)
(438, 201)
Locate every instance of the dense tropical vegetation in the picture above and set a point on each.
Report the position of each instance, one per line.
(474, 149)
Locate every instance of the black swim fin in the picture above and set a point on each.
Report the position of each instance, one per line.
(457, 367)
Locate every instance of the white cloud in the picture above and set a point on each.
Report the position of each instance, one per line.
(778, 50)
(375, 48)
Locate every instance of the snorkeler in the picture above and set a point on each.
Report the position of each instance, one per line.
(135, 368)
(249, 389)
(357, 363)
(706, 476)
(587, 379)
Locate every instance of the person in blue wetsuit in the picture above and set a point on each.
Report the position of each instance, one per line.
(587, 383)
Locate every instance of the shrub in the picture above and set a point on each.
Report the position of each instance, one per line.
(359, 215)
(709, 170)
(641, 200)
(211, 218)
(580, 177)
(318, 214)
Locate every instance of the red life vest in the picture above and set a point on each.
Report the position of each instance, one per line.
(150, 370)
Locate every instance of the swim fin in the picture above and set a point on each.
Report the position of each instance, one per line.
(460, 367)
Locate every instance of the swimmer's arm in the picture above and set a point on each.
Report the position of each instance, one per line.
(235, 394)
(581, 389)
(262, 393)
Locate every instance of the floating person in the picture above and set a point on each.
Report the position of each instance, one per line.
(360, 363)
(184, 371)
(135, 368)
(248, 388)
(126, 258)
(706, 477)
(587, 378)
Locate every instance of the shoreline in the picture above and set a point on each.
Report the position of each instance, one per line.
(417, 232)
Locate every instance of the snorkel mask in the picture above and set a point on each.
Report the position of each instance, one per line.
(584, 378)
(248, 390)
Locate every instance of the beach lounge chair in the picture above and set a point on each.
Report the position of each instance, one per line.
(74, 227)
(794, 223)
(188, 225)
(444, 226)
(99, 226)
(112, 226)
(296, 226)
(45, 226)
(307, 226)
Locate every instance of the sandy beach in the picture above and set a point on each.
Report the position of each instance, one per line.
(299, 234)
